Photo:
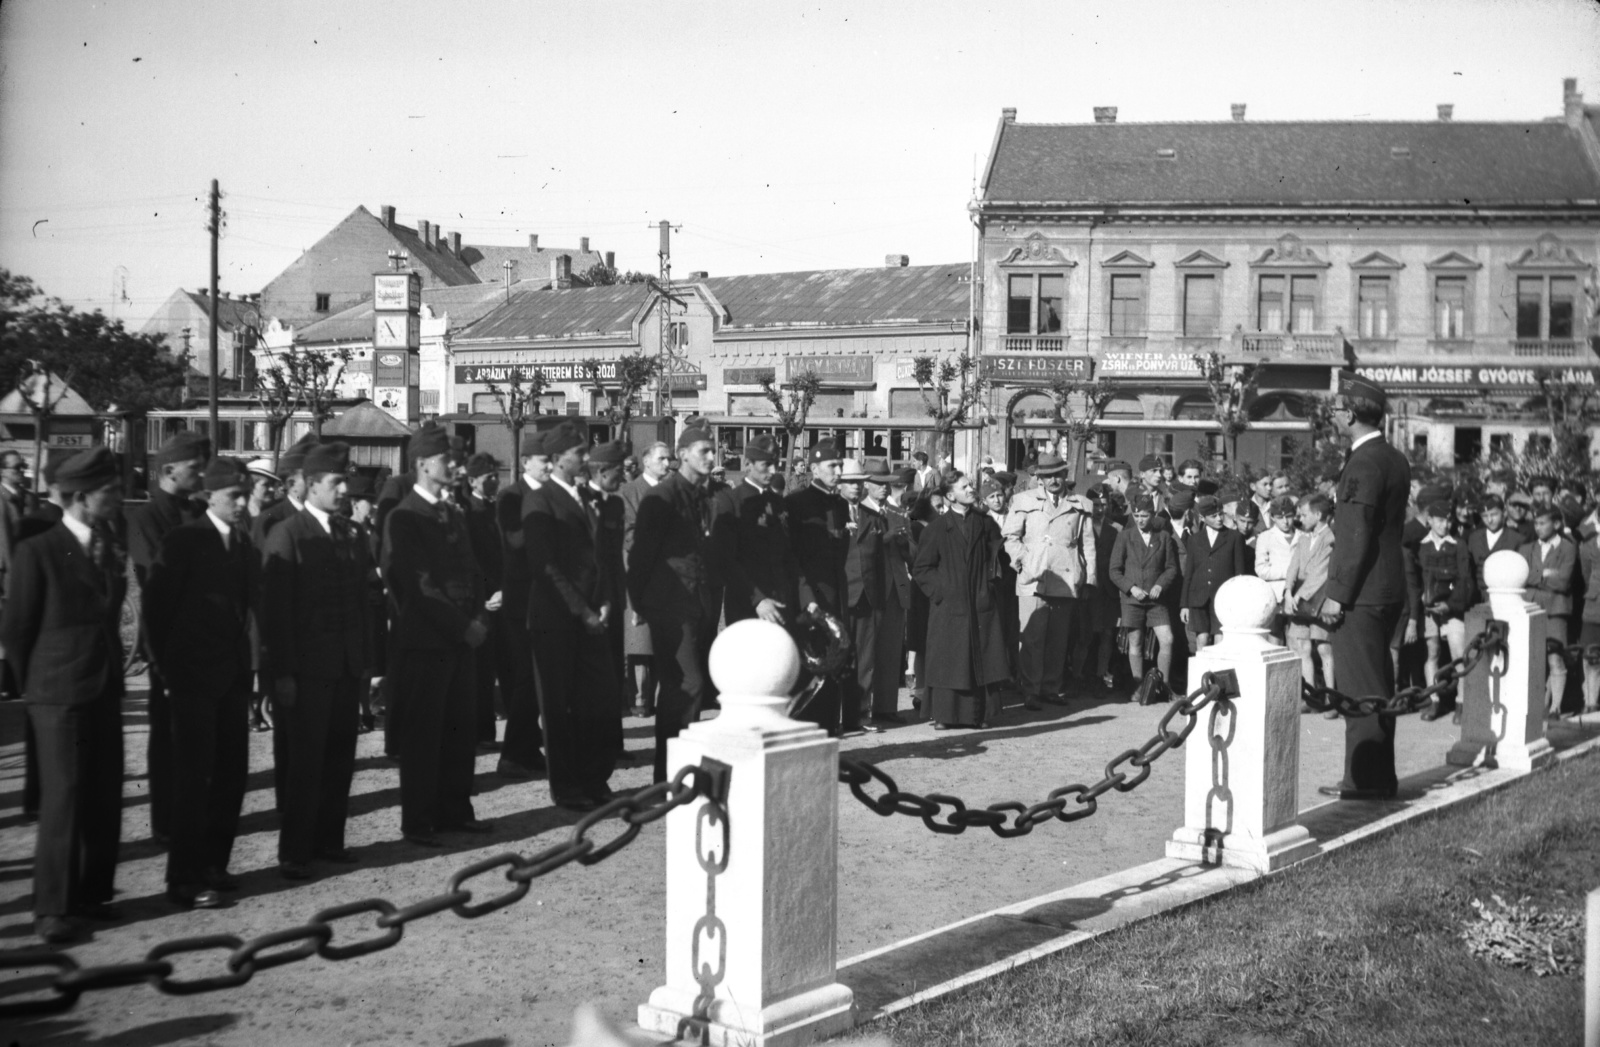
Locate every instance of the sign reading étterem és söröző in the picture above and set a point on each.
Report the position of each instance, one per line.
(482, 374)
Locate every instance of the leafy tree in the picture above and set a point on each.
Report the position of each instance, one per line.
(634, 373)
(1079, 406)
(1231, 387)
(1320, 452)
(602, 275)
(951, 392)
(793, 409)
(1572, 411)
(299, 380)
(47, 348)
(518, 402)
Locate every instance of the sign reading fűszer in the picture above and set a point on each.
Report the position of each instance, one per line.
(1041, 369)
(748, 375)
(833, 370)
(481, 374)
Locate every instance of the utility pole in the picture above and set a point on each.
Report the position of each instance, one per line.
(663, 346)
(215, 228)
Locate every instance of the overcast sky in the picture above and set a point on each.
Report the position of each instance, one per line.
(781, 136)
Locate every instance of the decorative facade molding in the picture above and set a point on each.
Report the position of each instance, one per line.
(1377, 260)
(1455, 260)
(1200, 260)
(1127, 260)
(1548, 252)
(1290, 253)
(1036, 251)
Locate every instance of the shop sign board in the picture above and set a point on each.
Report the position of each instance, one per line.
(397, 292)
(849, 371)
(1036, 370)
(1147, 363)
(389, 367)
(688, 380)
(1515, 379)
(748, 375)
(482, 374)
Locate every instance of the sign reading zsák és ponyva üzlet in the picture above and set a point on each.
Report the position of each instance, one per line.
(1521, 379)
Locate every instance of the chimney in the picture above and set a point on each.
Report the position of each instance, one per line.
(700, 274)
(1572, 102)
(422, 231)
(1446, 111)
(205, 292)
(433, 235)
(611, 259)
(455, 244)
(1008, 115)
(896, 261)
(1238, 112)
(387, 213)
(561, 272)
(533, 241)
(1105, 114)
(583, 244)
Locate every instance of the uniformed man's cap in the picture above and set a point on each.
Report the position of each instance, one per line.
(290, 461)
(223, 473)
(1180, 499)
(761, 449)
(87, 470)
(693, 435)
(1353, 387)
(1207, 505)
(1114, 465)
(1520, 498)
(429, 441)
(533, 443)
(565, 437)
(1431, 493)
(823, 451)
(905, 476)
(613, 453)
(327, 458)
(1149, 462)
(481, 464)
(991, 487)
(183, 447)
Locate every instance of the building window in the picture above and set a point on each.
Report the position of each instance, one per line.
(1034, 303)
(1450, 307)
(324, 301)
(1419, 445)
(486, 403)
(1160, 445)
(1545, 306)
(1200, 310)
(1538, 443)
(1287, 303)
(680, 337)
(1500, 444)
(1373, 294)
(1127, 303)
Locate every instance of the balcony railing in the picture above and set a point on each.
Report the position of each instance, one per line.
(1374, 348)
(1035, 343)
(1549, 348)
(1290, 347)
(1199, 344)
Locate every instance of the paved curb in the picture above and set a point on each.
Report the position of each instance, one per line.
(1050, 923)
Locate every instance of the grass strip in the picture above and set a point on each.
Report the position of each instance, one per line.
(1364, 948)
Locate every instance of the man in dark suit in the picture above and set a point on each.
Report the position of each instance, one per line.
(521, 755)
(1216, 553)
(1367, 584)
(751, 539)
(203, 590)
(61, 629)
(316, 622)
(669, 583)
(606, 478)
(292, 487)
(889, 654)
(569, 613)
(433, 581)
(178, 467)
(478, 505)
(16, 503)
(655, 463)
(817, 518)
(864, 595)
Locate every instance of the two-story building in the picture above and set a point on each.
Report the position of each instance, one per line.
(1450, 260)
(185, 319)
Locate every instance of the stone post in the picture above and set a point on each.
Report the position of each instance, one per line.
(1242, 796)
(1502, 719)
(752, 903)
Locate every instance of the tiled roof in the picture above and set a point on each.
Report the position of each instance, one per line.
(445, 267)
(845, 297)
(462, 305)
(487, 260)
(231, 312)
(577, 312)
(366, 420)
(1253, 162)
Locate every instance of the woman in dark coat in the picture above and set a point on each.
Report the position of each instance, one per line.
(960, 558)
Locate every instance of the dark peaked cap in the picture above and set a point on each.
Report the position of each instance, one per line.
(183, 447)
(224, 472)
(87, 470)
(294, 458)
(564, 438)
(1354, 387)
(428, 441)
(613, 453)
(328, 458)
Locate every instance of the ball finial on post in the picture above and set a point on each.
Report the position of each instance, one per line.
(1246, 607)
(754, 664)
(1505, 571)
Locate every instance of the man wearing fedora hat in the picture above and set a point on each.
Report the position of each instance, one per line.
(864, 594)
(1050, 538)
(885, 491)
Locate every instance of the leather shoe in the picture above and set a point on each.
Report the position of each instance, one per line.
(294, 870)
(643, 711)
(194, 898)
(471, 825)
(56, 930)
(221, 880)
(102, 912)
(512, 769)
(1031, 704)
(581, 804)
(339, 857)
(422, 839)
(1356, 794)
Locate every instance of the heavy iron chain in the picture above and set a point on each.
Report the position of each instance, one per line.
(1083, 799)
(1489, 642)
(245, 959)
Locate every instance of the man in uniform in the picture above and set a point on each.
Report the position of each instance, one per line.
(751, 539)
(521, 755)
(478, 505)
(606, 477)
(669, 584)
(1367, 584)
(202, 593)
(569, 613)
(179, 467)
(433, 581)
(317, 621)
(863, 594)
(817, 520)
(883, 493)
(654, 465)
(61, 630)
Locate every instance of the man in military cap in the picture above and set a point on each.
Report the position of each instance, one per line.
(521, 751)
(361, 495)
(655, 463)
(751, 540)
(669, 584)
(61, 631)
(317, 623)
(203, 591)
(292, 477)
(478, 505)
(434, 583)
(569, 615)
(178, 468)
(817, 519)
(883, 494)
(1367, 584)
(606, 477)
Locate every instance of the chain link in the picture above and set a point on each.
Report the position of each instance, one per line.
(1492, 641)
(1069, 803)
(707, 781)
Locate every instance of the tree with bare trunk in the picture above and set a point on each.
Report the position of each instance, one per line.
(951, 392)
(634, 373)
(1079, 406)
(792, 410)
(519, 401)
(1230, 387)
(300, 380)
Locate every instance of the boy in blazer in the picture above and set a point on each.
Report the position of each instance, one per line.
(1216, 553)
(1552, 563)
(1143, 566)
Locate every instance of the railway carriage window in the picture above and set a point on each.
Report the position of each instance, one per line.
(227, 435)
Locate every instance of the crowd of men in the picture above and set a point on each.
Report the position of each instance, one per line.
(307, 600)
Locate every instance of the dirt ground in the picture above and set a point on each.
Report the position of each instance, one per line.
(587, 933)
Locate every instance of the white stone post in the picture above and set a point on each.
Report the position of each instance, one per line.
(1242, 796)
(752, 906)
(1502, 719)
